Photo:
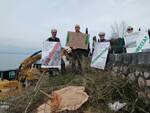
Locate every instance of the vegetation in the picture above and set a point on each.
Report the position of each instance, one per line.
(103, 87)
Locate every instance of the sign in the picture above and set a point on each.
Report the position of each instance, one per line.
(51, 55)
(100, 55)
(143, 42)
(137, 42)
(77, 40)
(130, 40)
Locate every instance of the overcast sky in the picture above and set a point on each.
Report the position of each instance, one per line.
(27, 23)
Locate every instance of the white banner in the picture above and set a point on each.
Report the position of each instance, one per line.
(137, 42)
(100, 55)
(51, 55)
(143, 42)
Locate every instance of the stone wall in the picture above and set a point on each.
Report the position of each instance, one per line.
(135, 66)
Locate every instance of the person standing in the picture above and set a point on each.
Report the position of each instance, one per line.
(102, 37)
(93, 44)
(129, 29)
(77, 55)
(53, 38)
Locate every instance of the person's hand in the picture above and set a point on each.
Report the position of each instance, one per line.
(68, 49)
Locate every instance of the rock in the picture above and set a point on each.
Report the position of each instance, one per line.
(132, 70)
(141, 83)
(148, 93)
(134, 59)
(142, 58)
(146, 74)
(125, 70)
(148, 83)
(127, 59)
(121, 68)
(118, 58)
(115, 69)
(113, 73)
(148, 59)
(141, 74)
(137, 73)
(123, 76)
(141, 94)
(111, 58)
(131, 77)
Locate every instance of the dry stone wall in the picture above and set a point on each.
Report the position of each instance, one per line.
(135, 66)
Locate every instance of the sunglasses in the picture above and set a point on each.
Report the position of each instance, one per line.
(130, 29)
(101, 35)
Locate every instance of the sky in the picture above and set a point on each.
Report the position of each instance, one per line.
(27, 23)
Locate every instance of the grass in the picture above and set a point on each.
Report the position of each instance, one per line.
(102, 87)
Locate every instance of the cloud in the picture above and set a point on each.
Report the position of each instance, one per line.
(27, 23)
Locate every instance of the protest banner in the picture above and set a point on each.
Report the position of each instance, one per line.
(51, 55)
(137, 42)
(143, 42)
(130, 42)
(77, 40)
(100, 55)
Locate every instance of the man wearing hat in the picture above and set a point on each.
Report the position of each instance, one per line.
(102, 37)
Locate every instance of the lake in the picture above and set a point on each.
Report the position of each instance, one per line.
(10, 61)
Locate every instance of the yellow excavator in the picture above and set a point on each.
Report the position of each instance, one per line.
(26, 72)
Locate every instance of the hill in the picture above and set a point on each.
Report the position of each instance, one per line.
(103, 87)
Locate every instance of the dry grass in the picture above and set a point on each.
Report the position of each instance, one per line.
(102, 86)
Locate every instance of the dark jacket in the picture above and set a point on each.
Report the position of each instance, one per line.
(117, 46)
(51, 39)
